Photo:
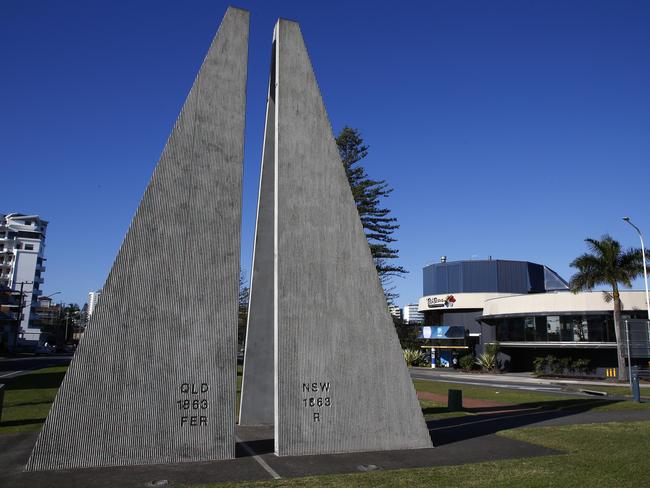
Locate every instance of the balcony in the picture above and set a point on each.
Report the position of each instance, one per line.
(38, 279)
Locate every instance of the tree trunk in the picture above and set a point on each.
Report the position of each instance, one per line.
(622, 366)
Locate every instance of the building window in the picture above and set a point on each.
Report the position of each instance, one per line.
(580, 329)
(29, 247)
(553, 327)
(19, 245)
(566, 329)
(529, 328)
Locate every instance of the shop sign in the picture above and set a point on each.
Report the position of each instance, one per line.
(435, 302)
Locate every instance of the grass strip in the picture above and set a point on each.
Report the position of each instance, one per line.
(596, 455)
(28, 399)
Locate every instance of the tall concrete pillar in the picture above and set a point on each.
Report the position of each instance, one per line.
(154, 378)
(256, 406)
(340, 380)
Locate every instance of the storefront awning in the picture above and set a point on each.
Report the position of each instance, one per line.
(442, 332)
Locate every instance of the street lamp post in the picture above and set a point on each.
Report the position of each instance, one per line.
(50, 296)
(645, 269)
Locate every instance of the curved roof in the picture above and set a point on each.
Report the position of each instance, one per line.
(490, 276)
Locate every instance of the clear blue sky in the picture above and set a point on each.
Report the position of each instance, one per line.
(512, 129)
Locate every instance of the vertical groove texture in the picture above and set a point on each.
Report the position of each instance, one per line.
(167, 316)
(341, 380)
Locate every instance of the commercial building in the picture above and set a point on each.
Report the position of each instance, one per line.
(411, 314)
(22, 264)
(526, 307)
(562, 324)
(46, 316)
(395, 311)
(93, 296)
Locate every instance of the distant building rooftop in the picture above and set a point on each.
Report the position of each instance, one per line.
(490, 276)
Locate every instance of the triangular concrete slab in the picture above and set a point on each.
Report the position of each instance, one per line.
(256, 406)
(154, 378)
(341, 383)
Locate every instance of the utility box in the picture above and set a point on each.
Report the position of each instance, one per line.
(455, 400)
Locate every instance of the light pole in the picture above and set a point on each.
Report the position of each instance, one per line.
(50, 296)
(645, 269)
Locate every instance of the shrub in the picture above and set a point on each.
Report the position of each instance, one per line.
(493, 349)
(539, 365)
(581, 365)
(565, 365)
(487, 361)
(466, 362)
(413, 357)
(553, 364)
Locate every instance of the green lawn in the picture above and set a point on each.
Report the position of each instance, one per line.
(28, 399)
(527, 399)
(608, 454)
(593, 455)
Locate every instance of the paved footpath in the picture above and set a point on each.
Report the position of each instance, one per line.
(459, 440)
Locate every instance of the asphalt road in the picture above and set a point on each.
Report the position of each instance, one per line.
(510, 384)
(11, 367)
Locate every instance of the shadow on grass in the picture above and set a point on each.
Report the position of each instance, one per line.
(494, 419)
(13, 423)
(27, 404)
(435, 410)
(34, 381)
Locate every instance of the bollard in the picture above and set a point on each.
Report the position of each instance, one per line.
(636, 389)
(2, 397)
(455, 400)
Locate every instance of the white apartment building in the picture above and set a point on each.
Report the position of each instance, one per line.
(411, 315)
(395, 311)
(22, 264)
(93, 296)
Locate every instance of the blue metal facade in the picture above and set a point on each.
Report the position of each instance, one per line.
(490, 276)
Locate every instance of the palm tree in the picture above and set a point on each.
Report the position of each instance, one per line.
(608, 264)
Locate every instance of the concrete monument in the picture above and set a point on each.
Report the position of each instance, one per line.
(154, 378)
(256, 406)
(340, 382)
